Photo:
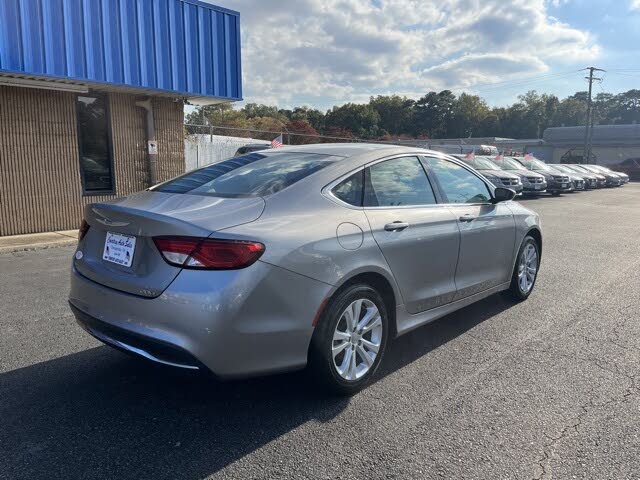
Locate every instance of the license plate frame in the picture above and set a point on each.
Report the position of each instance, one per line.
(119, 248)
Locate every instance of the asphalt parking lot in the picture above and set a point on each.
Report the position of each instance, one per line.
(542, 389)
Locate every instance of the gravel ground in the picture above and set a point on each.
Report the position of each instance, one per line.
(541, 389)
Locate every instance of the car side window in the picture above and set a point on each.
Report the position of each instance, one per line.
(457, 183)
(397, 182)
(350, 189)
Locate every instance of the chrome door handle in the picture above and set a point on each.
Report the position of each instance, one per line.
(391, 227)
(467, 218)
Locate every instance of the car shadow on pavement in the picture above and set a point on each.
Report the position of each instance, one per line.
(101, 414)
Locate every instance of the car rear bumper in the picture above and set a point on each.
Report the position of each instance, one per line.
(235, 323)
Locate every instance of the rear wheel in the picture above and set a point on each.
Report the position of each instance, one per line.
(525, 271)
(350, 340)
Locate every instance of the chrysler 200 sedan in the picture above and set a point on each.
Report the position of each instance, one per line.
(313, 255)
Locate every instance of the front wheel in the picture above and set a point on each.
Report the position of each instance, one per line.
(350, 340)
(526, 269)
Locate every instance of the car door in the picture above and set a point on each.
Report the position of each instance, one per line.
(487, 230)
(418, 237)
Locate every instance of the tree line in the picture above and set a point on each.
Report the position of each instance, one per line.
(435, 115)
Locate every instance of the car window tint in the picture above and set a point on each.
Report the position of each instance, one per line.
(350, 189)
(397, 182)
(255, 174)
(458, 184)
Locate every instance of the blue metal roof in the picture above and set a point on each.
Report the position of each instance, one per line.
(187, 47)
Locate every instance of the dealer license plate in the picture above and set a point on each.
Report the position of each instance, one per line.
(119, 249)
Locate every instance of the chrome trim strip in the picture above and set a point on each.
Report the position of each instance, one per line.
(138, 351)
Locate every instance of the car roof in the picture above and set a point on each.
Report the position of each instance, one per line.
(348, 150)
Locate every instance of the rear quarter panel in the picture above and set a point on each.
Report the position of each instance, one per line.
(300, 233)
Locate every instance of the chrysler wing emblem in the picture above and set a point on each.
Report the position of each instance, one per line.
(107, 222)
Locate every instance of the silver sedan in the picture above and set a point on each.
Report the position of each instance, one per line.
(302, 256)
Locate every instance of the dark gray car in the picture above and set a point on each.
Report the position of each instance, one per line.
(532, 182)
(310, 255)
(557, 181)
(493, 172)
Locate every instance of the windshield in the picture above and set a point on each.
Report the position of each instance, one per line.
(573, 169)
(481, 163)
(256, 174)
(509, 164)
(581, 169)
(535, 164)
(563, 168)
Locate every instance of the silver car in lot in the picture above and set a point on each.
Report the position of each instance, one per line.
(313, 255)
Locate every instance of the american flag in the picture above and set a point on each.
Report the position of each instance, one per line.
(470, 156)
(276, 142)
(499, 157)
(528, 156)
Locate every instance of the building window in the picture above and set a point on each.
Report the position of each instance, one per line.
(94, 144)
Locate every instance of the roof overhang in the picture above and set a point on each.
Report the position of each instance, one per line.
(68, 85)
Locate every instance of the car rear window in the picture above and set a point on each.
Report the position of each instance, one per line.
(256, 174)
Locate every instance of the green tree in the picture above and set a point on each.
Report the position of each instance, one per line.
(220, 115)
(432, 114)
(360, 119)
(468, 113)
(570, 112)
(394, 111)
(313, 116)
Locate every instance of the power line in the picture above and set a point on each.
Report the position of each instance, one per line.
(523, 82)
(533, 77)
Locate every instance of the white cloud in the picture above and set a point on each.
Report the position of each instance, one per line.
(635, 5)
(333, 51)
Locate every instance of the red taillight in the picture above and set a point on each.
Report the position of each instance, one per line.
(82, 231)
(208, 253)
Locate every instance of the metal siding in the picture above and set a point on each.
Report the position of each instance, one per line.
(178, 65)
(182, 46)
(112, 41)
(130, 43)
(10, 42)
(191, 47)
(53, 16)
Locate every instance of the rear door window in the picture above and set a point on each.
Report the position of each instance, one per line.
(397, 182)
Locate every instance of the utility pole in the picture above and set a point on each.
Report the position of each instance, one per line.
(586, 158)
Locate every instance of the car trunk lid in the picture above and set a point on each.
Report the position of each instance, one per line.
(139, 218)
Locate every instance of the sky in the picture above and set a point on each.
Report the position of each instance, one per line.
(322, 53)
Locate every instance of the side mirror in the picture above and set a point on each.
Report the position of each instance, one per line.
(501, 194)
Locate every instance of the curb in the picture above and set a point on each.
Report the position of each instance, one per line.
(37, 241)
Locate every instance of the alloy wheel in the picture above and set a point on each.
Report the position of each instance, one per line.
(527, 268)
(357, 339)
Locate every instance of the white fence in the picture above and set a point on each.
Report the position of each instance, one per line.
(204, 149)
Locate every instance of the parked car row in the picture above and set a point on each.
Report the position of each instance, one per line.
(529, 175)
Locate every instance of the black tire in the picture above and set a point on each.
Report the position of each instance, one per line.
(321, 362)
(515, 291)
(555, 194)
